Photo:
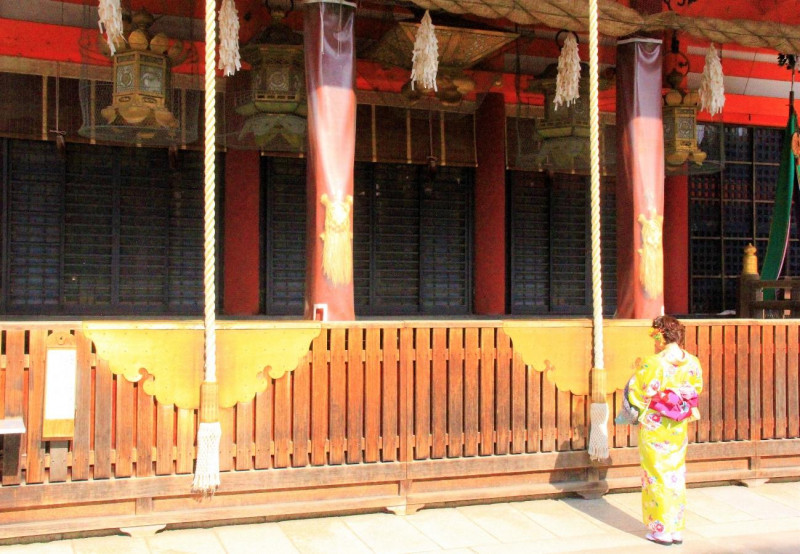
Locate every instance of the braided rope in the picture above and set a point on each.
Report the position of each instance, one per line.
(598, 433)
(209, 431)
(617, 20)
(594, 189)
(209, 177)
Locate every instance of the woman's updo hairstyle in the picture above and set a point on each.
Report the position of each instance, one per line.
(672, 329)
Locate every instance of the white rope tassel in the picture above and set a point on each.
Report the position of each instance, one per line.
(206, 473)
(598, 434)
(110, 22)
(712, 85)
(229, 59)
(569, 73)
(425, 61)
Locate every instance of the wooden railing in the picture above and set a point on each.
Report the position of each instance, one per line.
(376, 415)
(783, 299)
(765, 298)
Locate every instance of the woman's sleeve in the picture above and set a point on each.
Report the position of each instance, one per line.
(641, 386)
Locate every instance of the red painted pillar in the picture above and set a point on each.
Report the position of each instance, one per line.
(241, 227)
(676, 245)
(640, 179)
(329, 47)
(490, 207)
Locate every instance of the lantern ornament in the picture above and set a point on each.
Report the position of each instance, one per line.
(142, 108)
(679, 116)
(273, 102)
(564, 129)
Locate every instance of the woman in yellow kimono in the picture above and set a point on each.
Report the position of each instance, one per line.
(664, 391)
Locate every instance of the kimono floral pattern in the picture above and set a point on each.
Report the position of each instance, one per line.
(662, 440)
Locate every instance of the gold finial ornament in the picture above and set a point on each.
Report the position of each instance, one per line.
(750, 260)
(651, 267)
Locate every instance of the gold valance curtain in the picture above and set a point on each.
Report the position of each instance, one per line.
(616, 20)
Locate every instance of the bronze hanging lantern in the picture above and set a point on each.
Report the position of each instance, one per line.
(564, 132)
(679, 117)
(143, 108)
(273, 102)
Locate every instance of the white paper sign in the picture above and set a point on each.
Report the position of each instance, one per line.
(59, 384)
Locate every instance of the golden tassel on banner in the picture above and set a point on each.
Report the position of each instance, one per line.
(651, 269)
(337, 251)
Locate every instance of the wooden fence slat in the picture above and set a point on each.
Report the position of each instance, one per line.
(742, 383)
(792, 382)
(703, 348)
(283, 419)
(244, 435)
(471, 384)
(487, 390)
(355, 394)
(755, 383)
(439, 393)
(185, 439)
(165, 438)
(389, 421)
(579, 430)
(144, 432)
(301, 425)
(125, 414)
(372, 396)
(729, 387)
(103, 419)
(422, 394)
(563, 420)
(34, 466)
(503, 393)
(338, 392)
(534, 394)
(263, 430)
(518, 402)
(13, 447)
(81, 441)
(548, 414)
(319, 399)
(780, 382)
(455, 394)
(406, 394)
(716, 383)
(227, 448)
(767, 382)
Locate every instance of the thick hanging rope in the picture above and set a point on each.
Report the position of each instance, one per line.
(425, 60)
(712, 86)
(206, 473)
(229, 59)
(568, 78)
(109, 21)
(598, 434)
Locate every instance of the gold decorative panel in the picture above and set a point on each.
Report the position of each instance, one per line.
(171, 355)
(563, 350)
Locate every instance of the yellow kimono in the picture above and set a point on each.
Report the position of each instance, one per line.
(662, 440)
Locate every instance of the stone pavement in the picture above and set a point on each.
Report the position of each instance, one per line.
(764, 519)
